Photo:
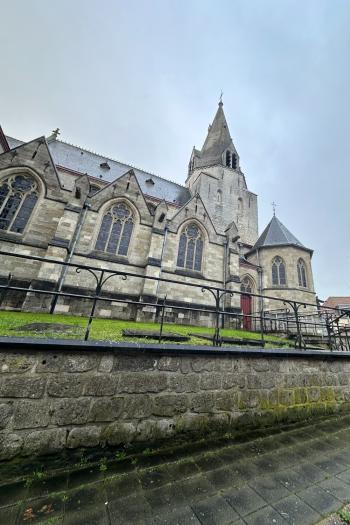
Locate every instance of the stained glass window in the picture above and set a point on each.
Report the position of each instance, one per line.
(18, 196)
(116, 229)
(302, 273)
(278, 271)
(246, 285)
(190, 248)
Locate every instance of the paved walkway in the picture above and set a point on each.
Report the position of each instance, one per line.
(296, 476)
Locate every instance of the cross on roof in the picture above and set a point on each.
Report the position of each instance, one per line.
(273, 204)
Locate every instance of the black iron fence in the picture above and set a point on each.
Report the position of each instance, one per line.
(303, 324)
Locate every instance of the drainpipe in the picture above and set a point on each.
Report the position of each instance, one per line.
(260, 272)
(69, 256)
(161, 258)
(225, 279)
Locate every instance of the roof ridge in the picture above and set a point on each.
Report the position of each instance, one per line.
(119, 161)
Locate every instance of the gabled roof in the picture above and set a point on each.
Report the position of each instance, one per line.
(337, 301)
(82, 161)
(276, 234)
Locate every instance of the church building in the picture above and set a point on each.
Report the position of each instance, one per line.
(63, 202)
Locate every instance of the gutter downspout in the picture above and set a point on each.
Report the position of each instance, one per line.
(69, 256)
(161, 258)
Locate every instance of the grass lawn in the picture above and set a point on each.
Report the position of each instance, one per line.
(105, 329)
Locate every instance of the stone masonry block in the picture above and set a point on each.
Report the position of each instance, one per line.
(118, 433)
(6, 411)
(80, 363)
(185, 383)
(169, 405)
(19, 386)
(16, 363)
(210, 381)
(138, 407)
(67, 385)
(106, 409)
(70, 411)
(87, 436)
(10, 445)
(233, 380)
(139, 383)
(106, 364)
(44, 441)
(103, 385)
(202, 402)
(130, 363)
(171, 364)
(31, 414)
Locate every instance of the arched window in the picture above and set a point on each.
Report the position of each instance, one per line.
(190, 248)
(228, 159)
(219, 197)
(18, 196)
(246, 285)
(116, 229)
(278, 271)
(302, 273)
(240, 205)
(234, 161)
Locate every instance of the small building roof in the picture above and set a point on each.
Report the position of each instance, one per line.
(276, 234)
(337, 302)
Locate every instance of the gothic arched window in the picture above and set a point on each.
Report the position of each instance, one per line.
(278, 271)
(302, 273)
(116, 229)
(234, 161)
(219, 197)
(190, 248)
(228, 159)
(246, 285)
(18, 196)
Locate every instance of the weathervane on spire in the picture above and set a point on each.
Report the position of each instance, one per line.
(273, 204)
(220, 100)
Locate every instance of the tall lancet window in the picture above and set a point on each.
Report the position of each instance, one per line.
(18, 196)
(190, 248)
(278, 271)
(228, 159)
(302, 273)
(116, 229)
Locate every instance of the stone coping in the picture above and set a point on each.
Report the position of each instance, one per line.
(61, 345)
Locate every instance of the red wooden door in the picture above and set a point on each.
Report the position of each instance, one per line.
(246, 307)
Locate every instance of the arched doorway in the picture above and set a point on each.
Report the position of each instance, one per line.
(246, 302)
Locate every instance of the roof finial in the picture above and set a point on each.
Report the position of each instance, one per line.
(273, 204)
(220, 100)
(56, 132)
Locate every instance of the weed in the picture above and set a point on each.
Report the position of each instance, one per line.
(147, 452)
(134, 461)
(120, 455)
(36, 476)
(83, 461)
(345, 516)
(103, 464)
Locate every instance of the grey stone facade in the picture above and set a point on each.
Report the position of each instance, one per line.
(76, 189)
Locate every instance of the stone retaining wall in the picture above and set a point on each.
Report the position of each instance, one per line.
(51, 398)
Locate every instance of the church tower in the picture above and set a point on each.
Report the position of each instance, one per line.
(214, 173)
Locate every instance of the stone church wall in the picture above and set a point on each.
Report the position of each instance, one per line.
(52, 399)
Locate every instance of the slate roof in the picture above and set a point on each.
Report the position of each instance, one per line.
(276, 234)
(216, 142)
(83, 161)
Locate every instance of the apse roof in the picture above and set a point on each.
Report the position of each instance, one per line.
(276, 234)
(84, 161)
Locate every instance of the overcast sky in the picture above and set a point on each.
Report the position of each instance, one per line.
(140, 81)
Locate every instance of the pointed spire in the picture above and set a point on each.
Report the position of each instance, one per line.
(218, 138)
